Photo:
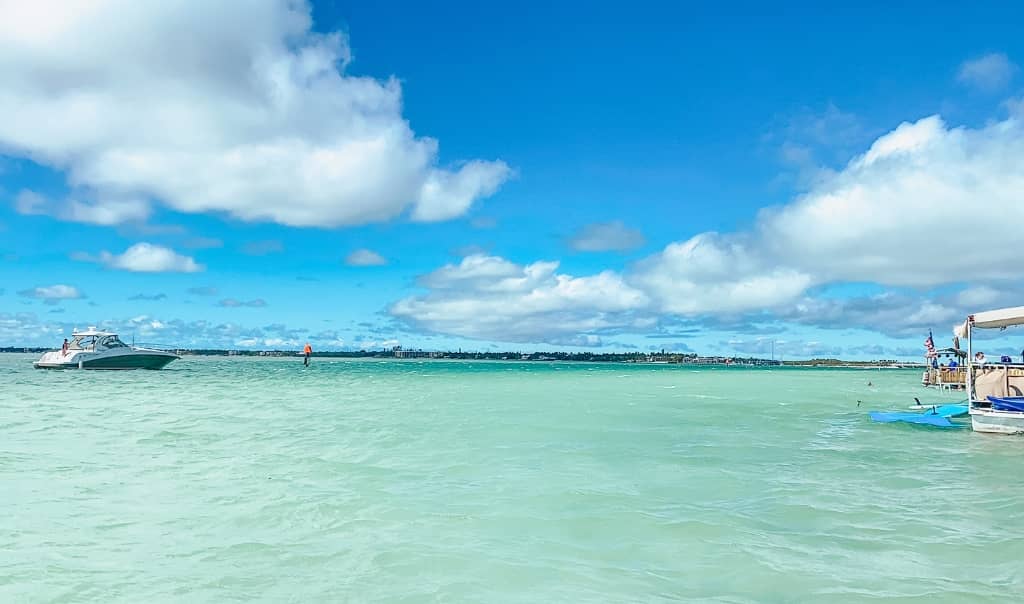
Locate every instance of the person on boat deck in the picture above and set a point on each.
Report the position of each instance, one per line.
(64, 348)
(953, 364)
(308, 350)
(935, 363)
(979, 358)
(1005, 359)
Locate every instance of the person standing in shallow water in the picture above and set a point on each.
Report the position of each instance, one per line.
(308, 350)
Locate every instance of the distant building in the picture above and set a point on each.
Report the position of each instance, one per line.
(401, 353)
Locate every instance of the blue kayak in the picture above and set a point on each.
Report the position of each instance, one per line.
(935, 416)
(1007, 403)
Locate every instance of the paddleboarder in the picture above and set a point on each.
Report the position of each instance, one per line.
(308, 350)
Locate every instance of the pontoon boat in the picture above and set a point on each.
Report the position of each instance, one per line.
(995, 388)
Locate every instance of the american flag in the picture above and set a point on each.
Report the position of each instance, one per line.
(930, 345)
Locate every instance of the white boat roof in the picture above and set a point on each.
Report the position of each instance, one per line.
(92, 331)
(1004, 317)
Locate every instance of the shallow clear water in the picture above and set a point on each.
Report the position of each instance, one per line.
(221, 480)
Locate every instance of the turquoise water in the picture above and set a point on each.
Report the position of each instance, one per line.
(221, 480)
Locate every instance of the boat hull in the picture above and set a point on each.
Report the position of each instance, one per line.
(995, 422)
(120, 362)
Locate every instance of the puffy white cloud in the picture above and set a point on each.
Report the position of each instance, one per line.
(257, 119)
(53, 292)
(925, 205)
(365, 257)
(888, 217)
(606, 236)
(144, 258)
(446, 195)
(988, 73)
(714, 274)
(492, 298)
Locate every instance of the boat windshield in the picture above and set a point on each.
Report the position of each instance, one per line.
(112, 342)
(82, 343)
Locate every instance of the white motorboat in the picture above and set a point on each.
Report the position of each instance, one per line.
(93, 349)
(995, 388)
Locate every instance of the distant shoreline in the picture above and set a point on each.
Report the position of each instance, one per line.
(690, 360)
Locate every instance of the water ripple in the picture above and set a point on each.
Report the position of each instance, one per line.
(221, 480)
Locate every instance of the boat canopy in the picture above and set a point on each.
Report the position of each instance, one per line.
(92, 331)
(1004, 317)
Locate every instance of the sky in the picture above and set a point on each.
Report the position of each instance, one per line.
(724, 178)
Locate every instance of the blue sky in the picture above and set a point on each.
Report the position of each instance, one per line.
(689, 177)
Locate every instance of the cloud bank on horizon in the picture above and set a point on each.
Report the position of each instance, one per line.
(874, 221)
(263, 125)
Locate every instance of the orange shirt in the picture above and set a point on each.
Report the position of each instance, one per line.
(308, 349)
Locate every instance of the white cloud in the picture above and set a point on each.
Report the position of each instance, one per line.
(365, 257)
(259, 120)
(924, 206)
(978, 297)
(492, 298)
(606, 236)
(919, 188)
(446, 195)
(109, 212)
(889, 313)
(52, 292)
(280, 342)
(374, 344)
(144, 258)
(713, 274)
(887, 218)
(988, 73)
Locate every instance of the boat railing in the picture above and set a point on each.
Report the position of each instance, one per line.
(998, 380)
(154, 346)
(955, 377)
